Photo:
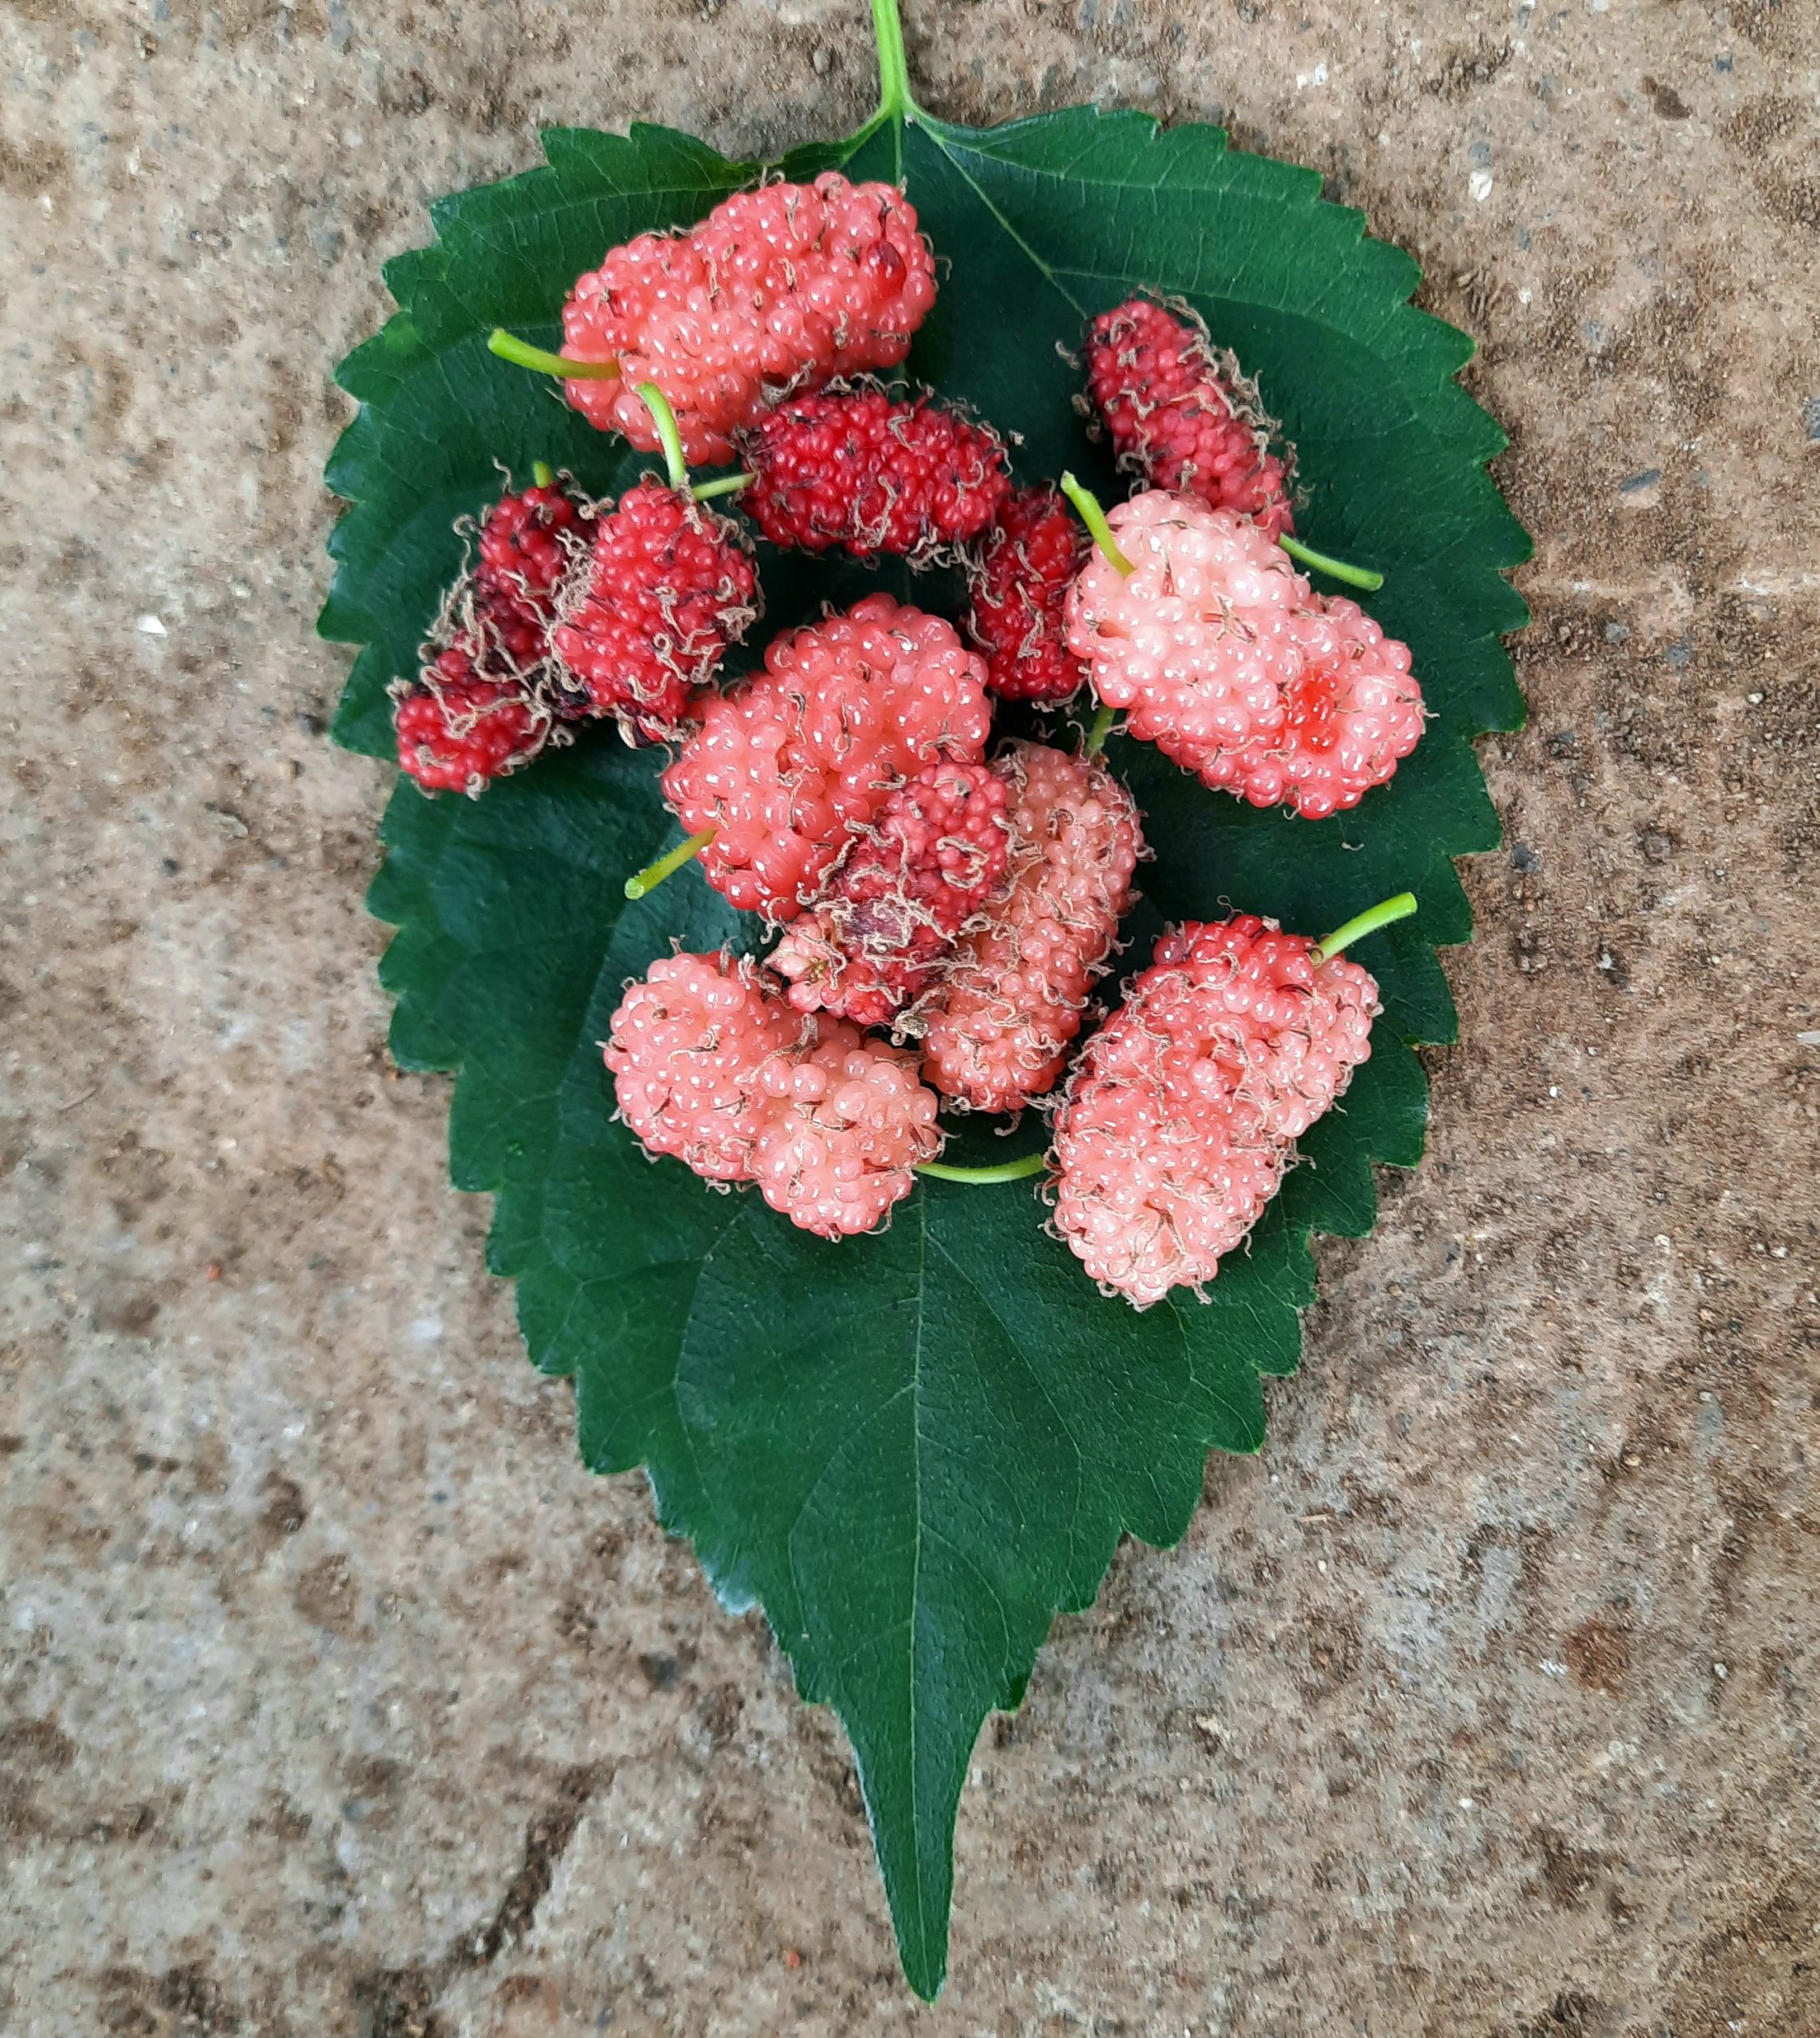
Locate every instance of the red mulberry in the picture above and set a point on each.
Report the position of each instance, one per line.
(890, 909)
(1182, 415)
(850, 466)
(648, 613)
(1026, 562)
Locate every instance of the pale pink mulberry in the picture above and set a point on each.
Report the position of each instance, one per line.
(1181, 1111)
(846, 1124)
(776, 289)
(710, 1065)
(1222, 655)
(684, 1051)
(1001, 1017)
(785, 765)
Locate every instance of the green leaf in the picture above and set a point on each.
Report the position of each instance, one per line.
(911, 1450)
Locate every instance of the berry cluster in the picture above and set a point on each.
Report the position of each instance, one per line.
(966, 901)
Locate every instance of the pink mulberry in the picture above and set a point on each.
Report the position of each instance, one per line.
(685, 1049)
(710, 1065)
(891, 907)
(788, 285)
(852, 468)
(1017, 616)
(1222, 655)
(1182, 415)
(846, 1124)
(785, 765)
(1000, 1021)
(1181, 1113)
(648, 612)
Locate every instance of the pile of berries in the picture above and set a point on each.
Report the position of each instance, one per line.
(943, 906)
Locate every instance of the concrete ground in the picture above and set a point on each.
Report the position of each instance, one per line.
(335, 1699)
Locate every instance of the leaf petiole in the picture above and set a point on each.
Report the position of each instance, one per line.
(894, 99)
(1094, 517)
(523, 355)
(1032, 1164)
(654, 874)
(1337, 569)
(1368, 922)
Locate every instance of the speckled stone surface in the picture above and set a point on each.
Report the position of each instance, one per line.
(335, 1699)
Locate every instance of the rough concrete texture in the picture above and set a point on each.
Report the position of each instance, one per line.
(335, 1699)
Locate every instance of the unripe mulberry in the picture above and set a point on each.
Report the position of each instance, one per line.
(784, 765)
(1017, 616)
(890, 909)
(648, 612)
(1181, 1112)
(1182, 415)
(845, 1124)
(1223, 656)
(526, 543)
(850, 466)
(778, 288)
(711, 1066)
(1000, 1021)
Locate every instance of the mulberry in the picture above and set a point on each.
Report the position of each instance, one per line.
(1000, 1021)
(786, 764)
(777, 288)
(850, 466)
(1181, 414)
(891, 907)
(1221, 654)
(649, 611)
(1181, 1111)
(1017, 615)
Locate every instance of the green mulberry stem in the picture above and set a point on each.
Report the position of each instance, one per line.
(1102, 729)
(543, 474)
(1337, 569)
(654, 874)
(1094, 517)
(705, 491)
(523, 355)
(1032, 1164)
(1368, 922)
(668, 437)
